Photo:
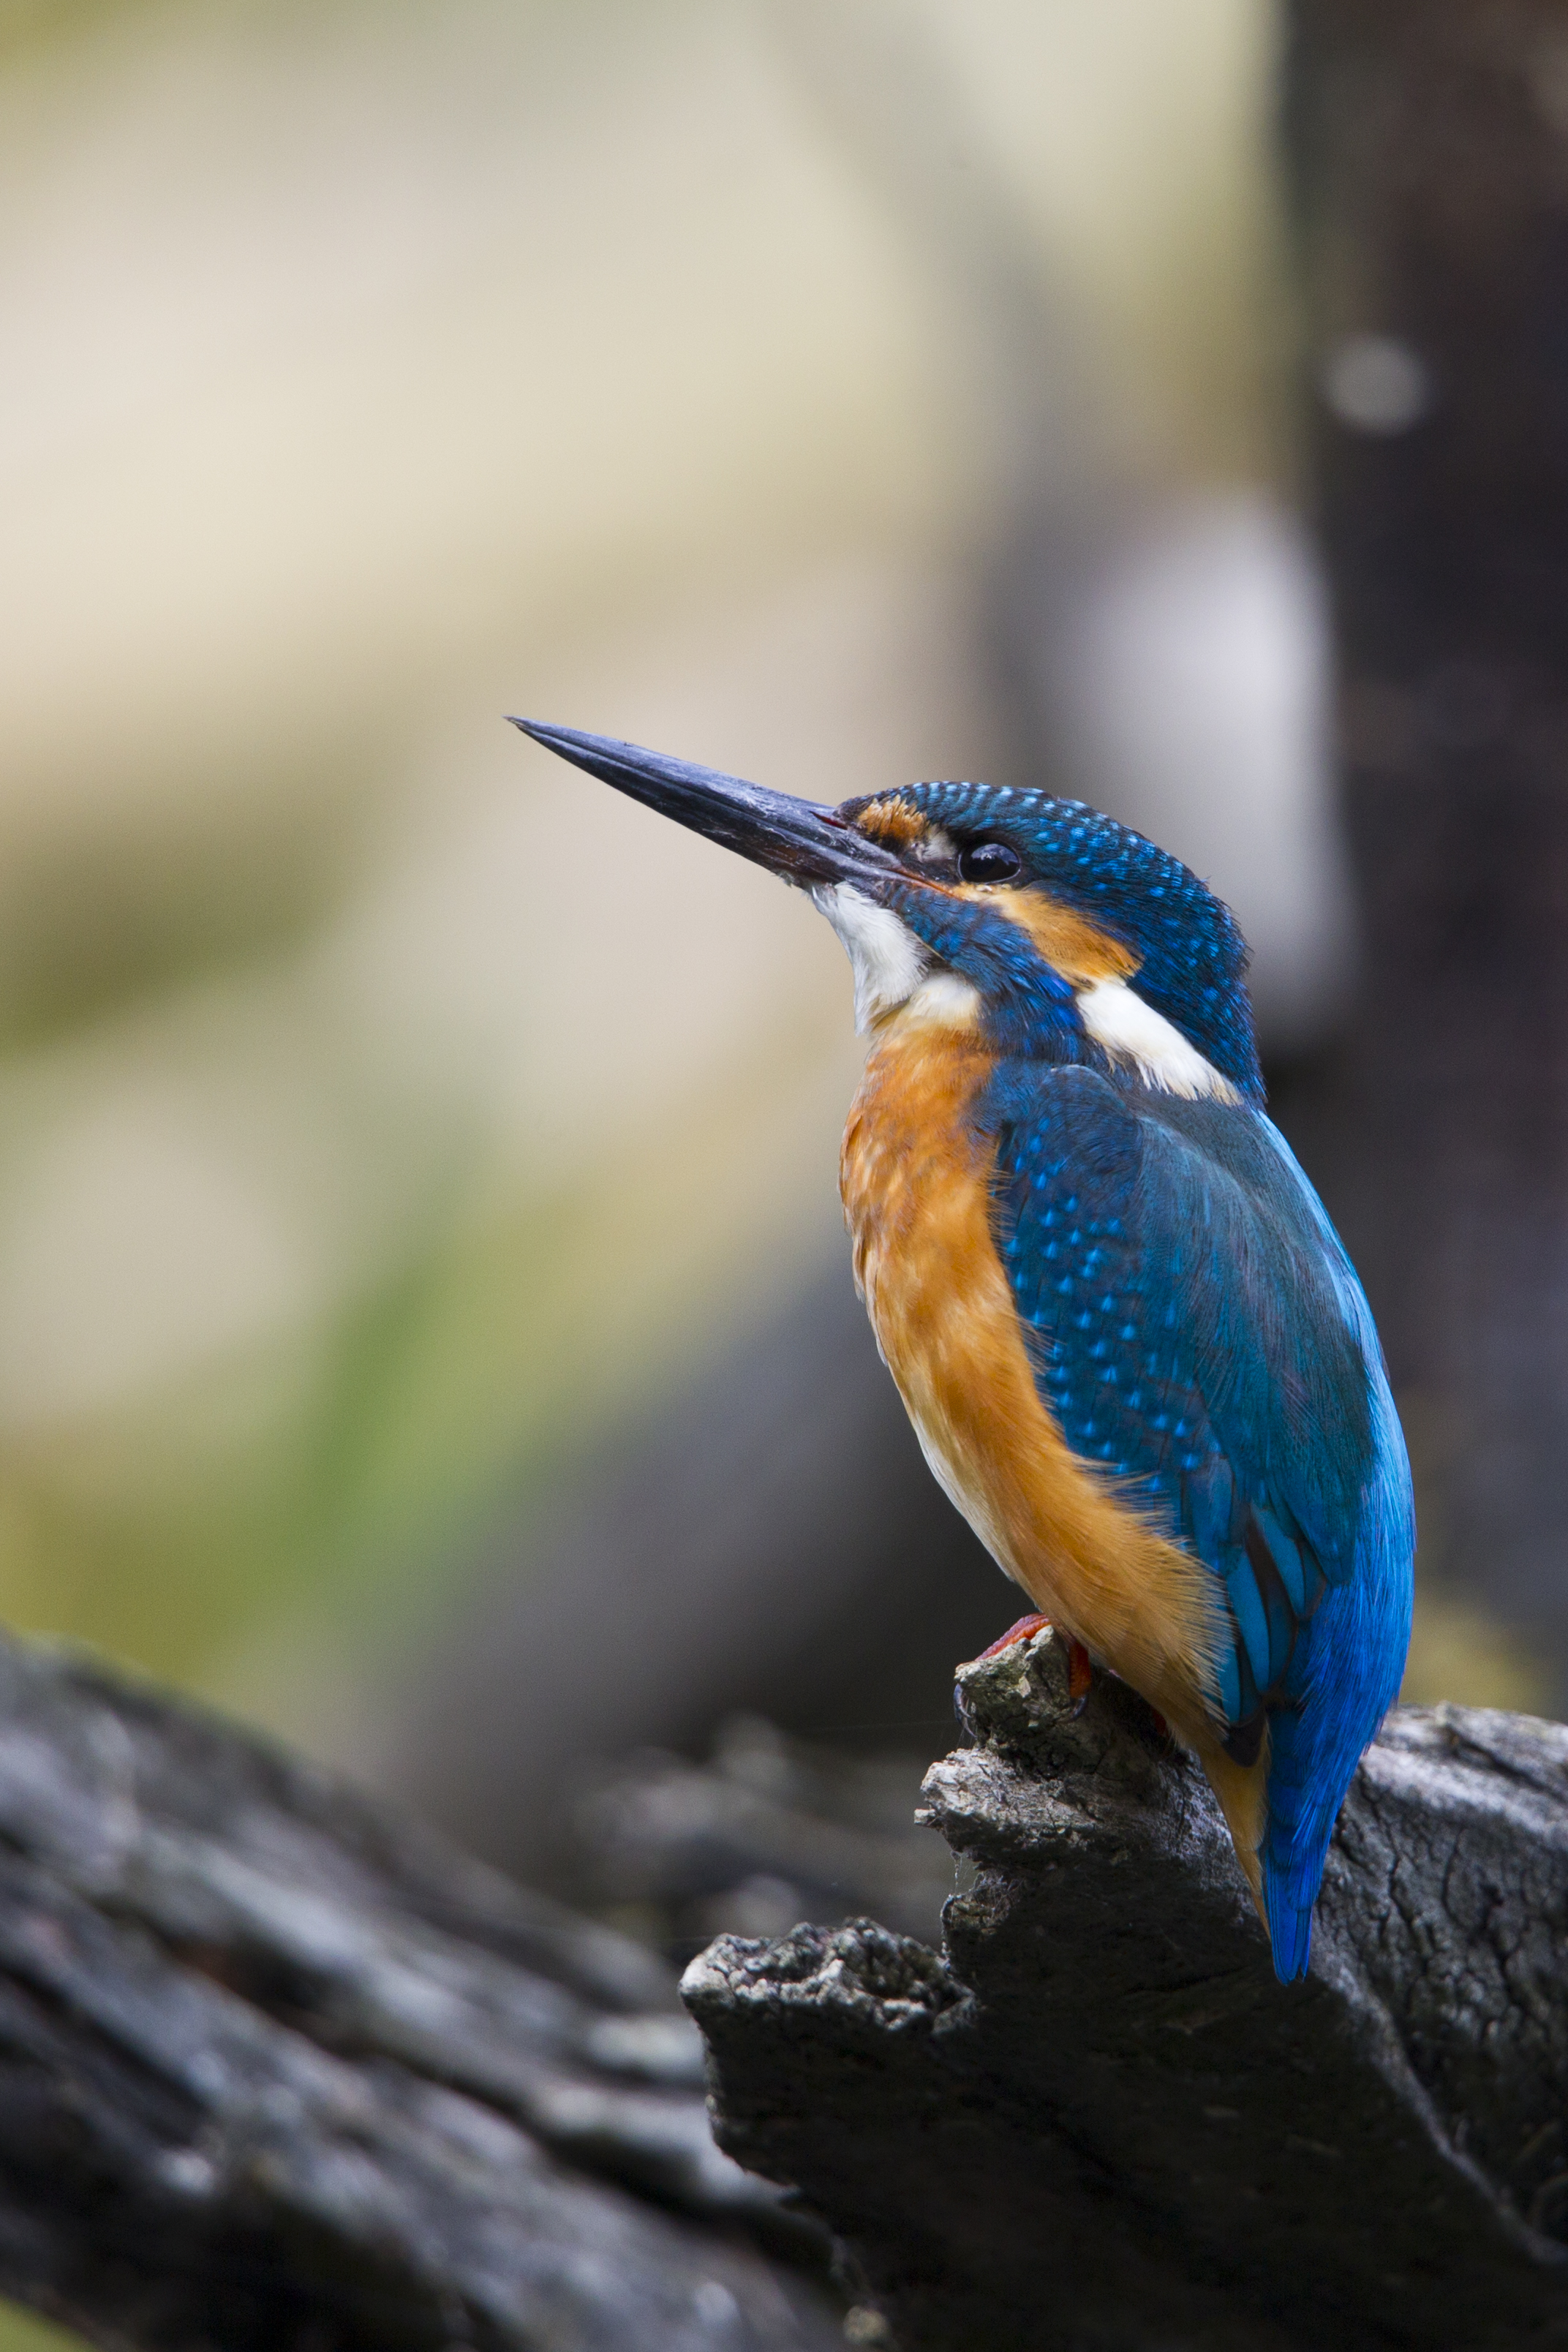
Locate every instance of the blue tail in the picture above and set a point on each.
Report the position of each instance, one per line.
(1289, 1896)
(1344, 1678)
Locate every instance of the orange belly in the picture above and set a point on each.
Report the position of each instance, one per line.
(916, 1184)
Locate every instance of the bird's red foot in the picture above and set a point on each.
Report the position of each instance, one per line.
(1033, 1624)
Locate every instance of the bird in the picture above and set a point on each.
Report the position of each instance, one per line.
(1133, 1348)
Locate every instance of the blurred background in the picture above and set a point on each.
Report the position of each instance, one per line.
(424, 1320)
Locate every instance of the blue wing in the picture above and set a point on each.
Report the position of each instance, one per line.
(1199, 1333)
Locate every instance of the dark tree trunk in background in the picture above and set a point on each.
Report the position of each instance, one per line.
(1428, 141)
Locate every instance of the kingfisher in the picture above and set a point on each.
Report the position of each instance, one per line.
(1131, 1344)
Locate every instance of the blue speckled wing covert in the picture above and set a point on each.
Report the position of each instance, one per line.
(1198, 1332)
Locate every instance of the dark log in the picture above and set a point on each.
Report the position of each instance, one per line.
(1098, 2120)
(278, 2071)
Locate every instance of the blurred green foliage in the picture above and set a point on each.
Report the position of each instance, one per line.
(22, 2331)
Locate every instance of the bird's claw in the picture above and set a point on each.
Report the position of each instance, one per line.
(1022, 1632)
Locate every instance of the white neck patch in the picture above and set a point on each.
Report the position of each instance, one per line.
(887, 961)
(1131, 1030)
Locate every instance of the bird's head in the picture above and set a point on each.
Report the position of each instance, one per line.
(1052, 929)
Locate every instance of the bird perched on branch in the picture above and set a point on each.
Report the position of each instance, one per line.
(1136, 1355)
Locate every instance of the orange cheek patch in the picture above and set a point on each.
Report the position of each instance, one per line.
(1066, 939)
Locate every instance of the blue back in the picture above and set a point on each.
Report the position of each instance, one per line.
(1199, 1333)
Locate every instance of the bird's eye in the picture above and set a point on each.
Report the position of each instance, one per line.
(989, 861)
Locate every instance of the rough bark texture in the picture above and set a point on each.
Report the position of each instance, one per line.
(1099, 2121)
(1430, 146)
(276, 2071)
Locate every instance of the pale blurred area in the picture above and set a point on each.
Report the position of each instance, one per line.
(389, 1117)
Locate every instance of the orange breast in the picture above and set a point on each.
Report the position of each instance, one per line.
(916, 1185)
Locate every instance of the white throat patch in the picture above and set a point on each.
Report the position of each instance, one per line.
(1131, 1030)
(887, 961)
(892, 967)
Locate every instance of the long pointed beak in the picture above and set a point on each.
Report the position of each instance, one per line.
(800, 840)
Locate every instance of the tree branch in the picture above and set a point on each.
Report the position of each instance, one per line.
(1099, 2120)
